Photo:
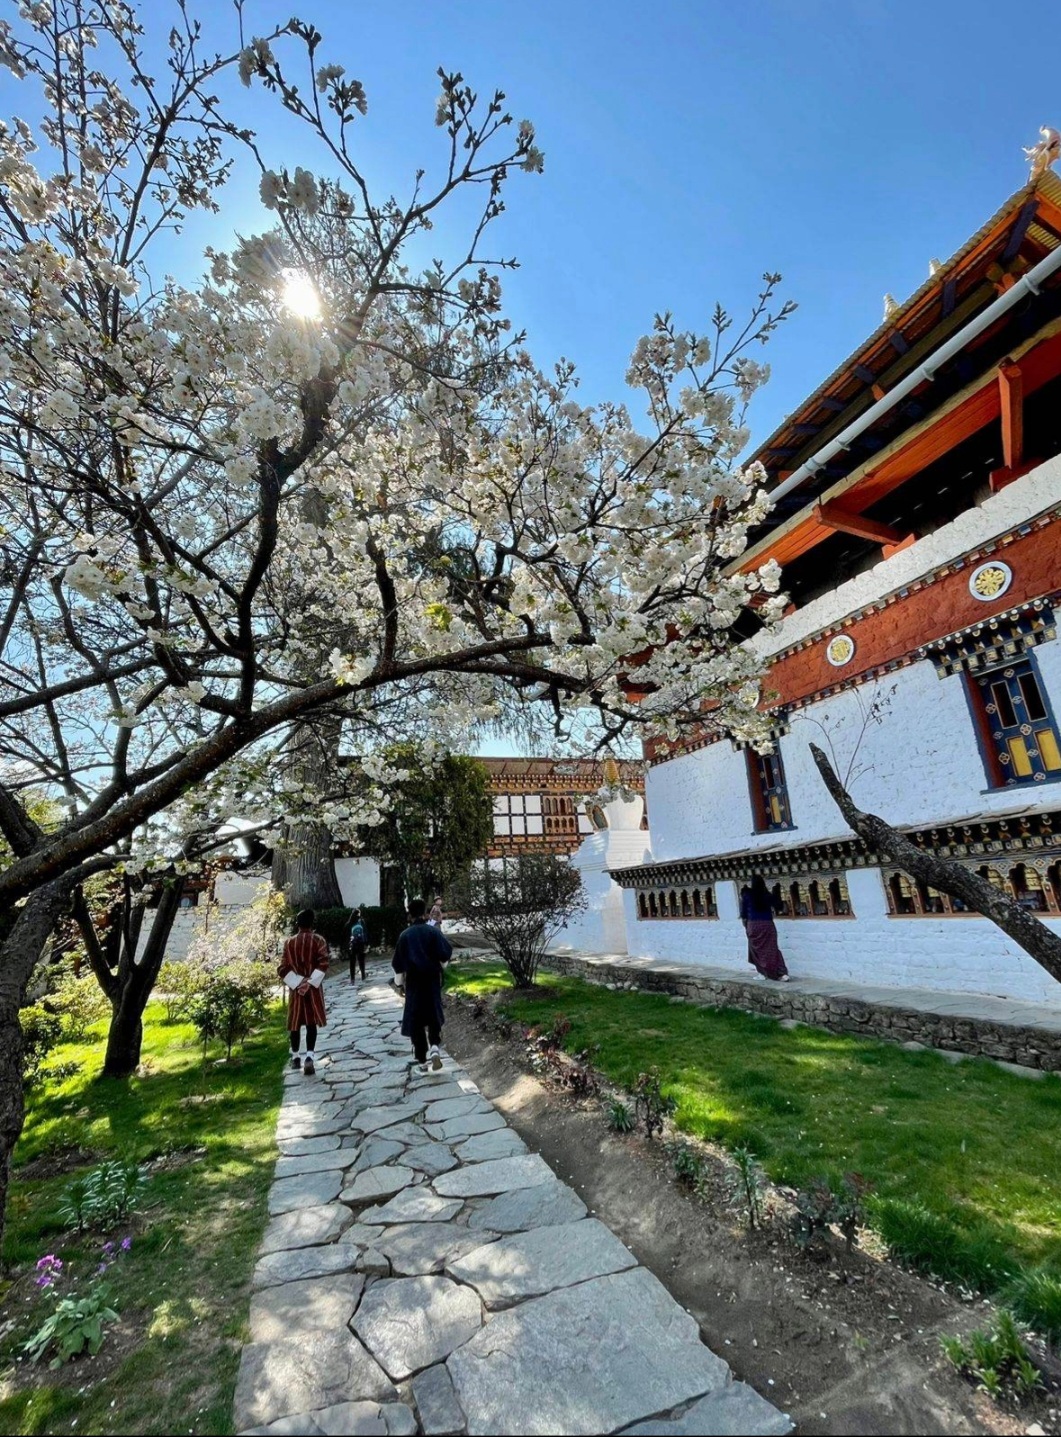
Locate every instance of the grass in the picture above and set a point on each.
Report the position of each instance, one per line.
(965, 1159)
(183, 1293)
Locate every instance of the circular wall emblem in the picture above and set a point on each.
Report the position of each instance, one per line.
(840, 650)
(990, 580)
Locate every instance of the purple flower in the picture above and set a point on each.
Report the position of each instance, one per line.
(101, 1269)
(108, 1248)
(44, 1281)
(127, 1243)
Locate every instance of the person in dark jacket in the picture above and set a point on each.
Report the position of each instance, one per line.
(358, 946)
(421, 954)
(757, 908)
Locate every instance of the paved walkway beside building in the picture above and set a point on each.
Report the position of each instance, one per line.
(1009, 1031)
(423, 1272)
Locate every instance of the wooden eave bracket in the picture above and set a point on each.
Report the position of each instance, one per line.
(834, 516)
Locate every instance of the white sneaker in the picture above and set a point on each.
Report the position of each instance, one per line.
(436, 1059)
(784, 977)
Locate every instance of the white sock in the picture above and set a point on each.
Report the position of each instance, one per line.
(309, 1057)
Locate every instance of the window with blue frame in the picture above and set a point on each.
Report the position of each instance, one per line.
(769, 792)
(1018, 728)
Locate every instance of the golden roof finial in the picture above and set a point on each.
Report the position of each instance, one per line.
(1045, 153)
(934, 267)
(611, 770)
(891, 304)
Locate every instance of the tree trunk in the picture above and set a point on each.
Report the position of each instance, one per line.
(304, 870)
(946, 874)
(135, 983)
(18, 956)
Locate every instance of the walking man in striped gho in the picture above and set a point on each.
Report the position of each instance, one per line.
(302, 968)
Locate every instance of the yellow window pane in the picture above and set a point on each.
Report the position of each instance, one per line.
(775, 809)
(1022, 764)
(1051, 754)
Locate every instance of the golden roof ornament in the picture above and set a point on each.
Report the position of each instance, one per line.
(1045, 153)
(934, 267)
(891, 304)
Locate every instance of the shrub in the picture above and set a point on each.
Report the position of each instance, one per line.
(620, 1118)
(383, 925)
(41, 1031)
(746, 1183)
(996, 1359)
(106, 1195)
(80, 1004)
(231, 1003)
(821, 1206)
(334, 925)
(651, 1107)
(1035, 1296)
(178, 985)
(686, 1163)
(520, 907)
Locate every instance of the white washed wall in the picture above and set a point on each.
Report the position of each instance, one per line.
(958, 955)
(358, 880)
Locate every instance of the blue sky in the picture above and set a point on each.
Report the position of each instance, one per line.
(691, 146)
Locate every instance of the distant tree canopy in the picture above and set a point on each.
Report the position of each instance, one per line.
(439, 821)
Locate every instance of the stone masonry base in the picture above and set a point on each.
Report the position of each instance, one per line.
(979, 1027)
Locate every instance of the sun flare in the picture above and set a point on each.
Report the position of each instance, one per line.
(300, 295)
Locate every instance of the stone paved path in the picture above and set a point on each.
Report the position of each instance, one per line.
(423, 1272)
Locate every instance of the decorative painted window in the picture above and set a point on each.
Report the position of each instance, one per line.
(1017, 728)
(517, 815)
(560, 814)
(819, 897)
(1035, 886)
(675, 902)
(766, 779)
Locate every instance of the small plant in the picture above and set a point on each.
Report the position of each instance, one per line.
(620, 1118)
(821, 1207)
(746, 1183)
(179, 984)
(41, 1031)
(686, 1163)
(997, 1360)
(77, 1321)
(652, 1108)
(103, 1197)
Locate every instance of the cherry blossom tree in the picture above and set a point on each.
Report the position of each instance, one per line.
(323, 484)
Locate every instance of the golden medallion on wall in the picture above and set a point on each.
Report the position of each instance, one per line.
(990, 580)
(840, 650)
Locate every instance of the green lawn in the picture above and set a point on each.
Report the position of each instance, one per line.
(965, 1158)
(183, 1292)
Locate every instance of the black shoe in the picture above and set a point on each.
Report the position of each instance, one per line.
(296, 1062)
(308, 1068)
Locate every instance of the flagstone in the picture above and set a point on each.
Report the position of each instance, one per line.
(414, 1205)
(501, 1143)
(637, 1353)
(410, 1323)
(296, 1165)
(535, 1262)
(542, 1206)
(303, 1373)
(418, 1249)
(325, 1304)
(305, 1191)
(736, 1410)
(306, 1227)
(297, 1264)
(430, 1158)
(466, 1126)
(436, 1402)
(375, 1183)
(497, 1176)
(293, 1147)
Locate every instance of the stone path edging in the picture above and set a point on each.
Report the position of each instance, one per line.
(423, 1273)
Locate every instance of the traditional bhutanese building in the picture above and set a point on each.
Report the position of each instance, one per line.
(544, 805)
(917, 522)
